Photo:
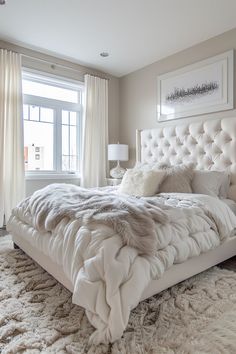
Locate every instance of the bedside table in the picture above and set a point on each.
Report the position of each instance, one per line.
(113, 181)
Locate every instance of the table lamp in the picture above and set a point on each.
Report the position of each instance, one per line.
(118, 152)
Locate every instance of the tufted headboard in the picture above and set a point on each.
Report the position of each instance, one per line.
(211, 144)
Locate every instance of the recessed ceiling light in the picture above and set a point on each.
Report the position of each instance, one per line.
(104, 54)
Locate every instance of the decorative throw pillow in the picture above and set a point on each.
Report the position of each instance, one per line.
(224, 188)
(231, 204)
(232, 192)
(141, 183)
(214, 183)
(178, 180)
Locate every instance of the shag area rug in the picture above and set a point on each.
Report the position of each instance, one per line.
(37, 316)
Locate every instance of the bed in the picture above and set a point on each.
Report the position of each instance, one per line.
(211, 144)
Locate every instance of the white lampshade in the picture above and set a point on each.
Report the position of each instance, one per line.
(118, 152)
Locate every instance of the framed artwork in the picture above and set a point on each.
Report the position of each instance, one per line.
(201, 88)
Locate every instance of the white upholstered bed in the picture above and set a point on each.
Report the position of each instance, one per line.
(211, 144)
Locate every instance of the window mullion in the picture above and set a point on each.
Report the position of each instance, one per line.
(78, 139)
(69, 152)
(58, 141)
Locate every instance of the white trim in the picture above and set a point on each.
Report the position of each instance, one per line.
(48, 175)
(51, 103)
(57, 106)
(45, 77)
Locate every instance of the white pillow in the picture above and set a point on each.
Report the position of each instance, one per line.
(141, 183)
(178, 180)
(224, 188)
(231, 204)
(214, 183)
(232, 192)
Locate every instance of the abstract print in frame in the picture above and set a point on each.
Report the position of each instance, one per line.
(201, 88)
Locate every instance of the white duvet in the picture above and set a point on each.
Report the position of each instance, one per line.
(109, 278)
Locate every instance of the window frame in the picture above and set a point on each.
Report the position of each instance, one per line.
(58, 106)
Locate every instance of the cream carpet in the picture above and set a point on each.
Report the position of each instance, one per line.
(37, 316)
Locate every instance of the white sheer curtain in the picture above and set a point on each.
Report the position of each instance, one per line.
(12, 179)
(95, 139)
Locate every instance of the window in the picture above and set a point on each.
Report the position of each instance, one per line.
(52, 113)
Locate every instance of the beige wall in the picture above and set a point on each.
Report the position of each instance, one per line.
(133, 98)
(138, 90)
(64, 68)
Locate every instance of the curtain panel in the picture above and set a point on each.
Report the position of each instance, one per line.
(12, 179)
(95, 134)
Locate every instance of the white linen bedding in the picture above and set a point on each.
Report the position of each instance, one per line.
(110, 276)
(231, 204)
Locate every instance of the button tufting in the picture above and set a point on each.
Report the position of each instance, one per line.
(206, 142)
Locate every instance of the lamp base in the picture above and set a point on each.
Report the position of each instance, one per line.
(117, 172)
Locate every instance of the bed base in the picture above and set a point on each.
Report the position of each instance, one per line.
(174, 275)
(15, 246)
(44, 261)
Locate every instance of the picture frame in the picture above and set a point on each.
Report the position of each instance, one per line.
(204, 87)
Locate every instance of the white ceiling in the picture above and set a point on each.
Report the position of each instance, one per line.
(135, 32)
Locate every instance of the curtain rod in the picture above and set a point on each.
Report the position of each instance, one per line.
(54, 65)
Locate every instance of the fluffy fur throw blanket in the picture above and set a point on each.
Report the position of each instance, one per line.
(132, 218)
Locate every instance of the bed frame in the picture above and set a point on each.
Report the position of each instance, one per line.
(172, 276)
(211, 144)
